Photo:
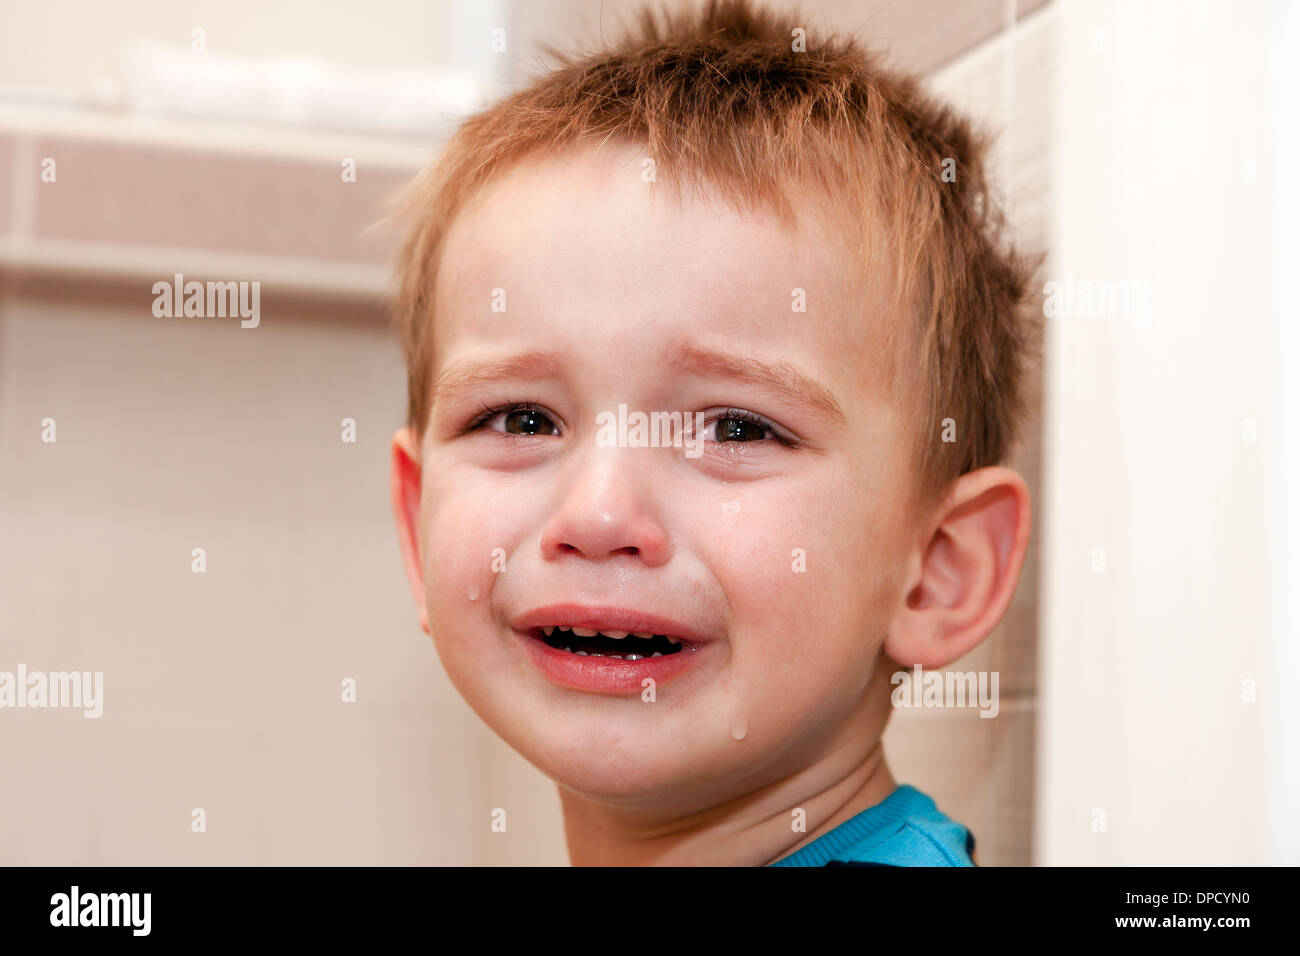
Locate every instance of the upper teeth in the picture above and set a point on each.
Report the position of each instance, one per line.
(617, 635)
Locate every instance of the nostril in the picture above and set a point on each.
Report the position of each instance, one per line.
(630, 550)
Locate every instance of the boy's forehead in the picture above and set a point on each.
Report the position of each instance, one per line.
(583, 244)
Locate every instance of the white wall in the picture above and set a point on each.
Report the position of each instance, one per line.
(1285, 634)
(1165, 435)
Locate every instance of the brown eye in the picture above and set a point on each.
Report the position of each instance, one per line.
(739, 426)
(528, 421)
(738, 429)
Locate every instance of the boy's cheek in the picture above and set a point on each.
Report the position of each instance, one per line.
(809, 590)
(468, 515)
(468, 547)
(787, 581)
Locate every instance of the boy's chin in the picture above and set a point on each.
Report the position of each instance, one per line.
(654, 775)
(657, 790)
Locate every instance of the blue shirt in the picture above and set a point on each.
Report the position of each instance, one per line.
(905, 829)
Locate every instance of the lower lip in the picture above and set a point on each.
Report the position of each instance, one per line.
(606, 675)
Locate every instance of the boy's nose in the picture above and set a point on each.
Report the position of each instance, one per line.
(608, 508)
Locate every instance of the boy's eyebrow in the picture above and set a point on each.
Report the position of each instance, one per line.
(780, 377)
(470, 373)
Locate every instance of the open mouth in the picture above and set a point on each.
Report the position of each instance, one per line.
(619, 645)
(612, 650)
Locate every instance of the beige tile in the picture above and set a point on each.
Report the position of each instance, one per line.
(1030, 142)
(221, 690)
(1015, 640)
(342, 792)
(142, 195)
(974, 85)
(1010, 809)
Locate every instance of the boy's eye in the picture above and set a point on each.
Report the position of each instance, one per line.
(525, 420)
(738, 429)
(736, 425)
(528, 421)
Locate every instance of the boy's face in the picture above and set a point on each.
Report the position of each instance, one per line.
(779, 548)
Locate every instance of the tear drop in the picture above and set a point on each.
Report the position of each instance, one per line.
(739, 728)
(472, 593)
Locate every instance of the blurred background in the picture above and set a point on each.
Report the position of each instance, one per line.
(1149, 148)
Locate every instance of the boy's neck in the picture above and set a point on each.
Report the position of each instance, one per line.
(752, 830)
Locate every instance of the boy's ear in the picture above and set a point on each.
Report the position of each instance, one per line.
(965, 572)
(404, 485)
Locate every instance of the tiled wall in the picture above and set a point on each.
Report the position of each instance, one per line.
(222, 689)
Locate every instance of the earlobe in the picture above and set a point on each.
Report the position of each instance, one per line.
(967, 570)
(404, 485)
